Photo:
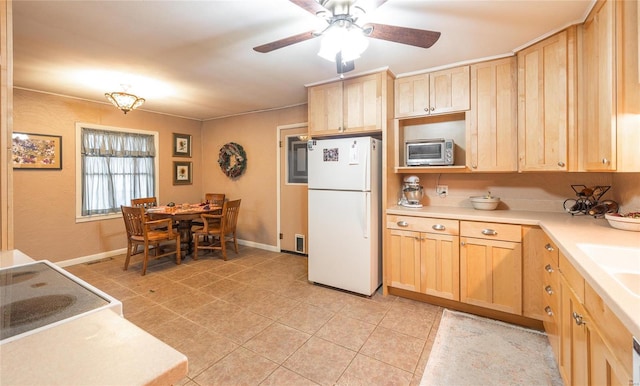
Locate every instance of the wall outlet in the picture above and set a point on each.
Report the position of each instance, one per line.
(442, 190)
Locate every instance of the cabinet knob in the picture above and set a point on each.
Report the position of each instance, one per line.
(549, 248)
(426, 109)
(548, 268)
(403, 224)
(463, 243)
(578, 318)
(489, 232)
(439, 227)
(432, 108)
(474, 166)
(548, 310)
(561, 164)
(605, 161)
(549, 290)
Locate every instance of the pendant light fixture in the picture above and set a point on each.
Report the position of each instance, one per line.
(123, 100)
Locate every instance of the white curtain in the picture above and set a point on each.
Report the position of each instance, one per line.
(116, 167)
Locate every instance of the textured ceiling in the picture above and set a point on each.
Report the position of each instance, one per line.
(195, 59)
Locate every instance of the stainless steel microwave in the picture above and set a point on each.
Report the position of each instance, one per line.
(429, 152)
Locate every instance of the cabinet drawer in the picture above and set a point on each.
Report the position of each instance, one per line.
(489, 230)
(423, 224)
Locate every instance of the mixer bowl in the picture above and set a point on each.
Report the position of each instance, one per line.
(413, 195)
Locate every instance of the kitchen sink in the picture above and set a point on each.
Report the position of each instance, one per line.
(622, 263)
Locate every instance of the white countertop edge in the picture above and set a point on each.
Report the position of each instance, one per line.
(567, 232)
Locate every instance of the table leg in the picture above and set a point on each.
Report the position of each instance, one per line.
(184, 227)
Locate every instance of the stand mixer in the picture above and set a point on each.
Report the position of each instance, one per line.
(412, 193)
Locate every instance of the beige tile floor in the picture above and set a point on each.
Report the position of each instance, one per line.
(256, 320)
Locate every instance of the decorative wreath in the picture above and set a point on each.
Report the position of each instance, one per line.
(235, 169)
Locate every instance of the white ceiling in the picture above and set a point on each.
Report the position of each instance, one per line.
(195, 59)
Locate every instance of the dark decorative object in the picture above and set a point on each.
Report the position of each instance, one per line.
(588, 201)
(232, 160)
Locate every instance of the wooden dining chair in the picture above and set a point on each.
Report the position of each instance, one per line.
(147, 234)
(216, 199)
(145, 202)
(218, 230)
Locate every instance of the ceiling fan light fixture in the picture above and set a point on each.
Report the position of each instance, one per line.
(349, 41)
(124, 101)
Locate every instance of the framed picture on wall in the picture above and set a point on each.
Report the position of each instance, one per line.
(182, 173)
(181, 145)
(36, 151)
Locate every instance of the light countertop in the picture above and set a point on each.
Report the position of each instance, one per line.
(568, 232)
(102, 348)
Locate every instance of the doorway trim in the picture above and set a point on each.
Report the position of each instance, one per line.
(279, 176)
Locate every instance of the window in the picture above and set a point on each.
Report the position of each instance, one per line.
(296, 160)
(114, 165)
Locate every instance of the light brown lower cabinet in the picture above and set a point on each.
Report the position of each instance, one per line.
(595, 348)
(491, 266)
(424, 255)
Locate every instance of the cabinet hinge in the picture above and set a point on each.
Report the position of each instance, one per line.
(281, 236)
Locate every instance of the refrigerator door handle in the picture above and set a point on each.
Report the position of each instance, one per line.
(367, 217)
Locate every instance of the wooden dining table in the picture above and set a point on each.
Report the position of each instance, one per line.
(184, 216)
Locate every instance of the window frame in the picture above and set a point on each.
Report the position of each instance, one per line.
(78, 165)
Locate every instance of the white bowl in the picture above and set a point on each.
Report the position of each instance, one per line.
(484, 202)
(624, 223)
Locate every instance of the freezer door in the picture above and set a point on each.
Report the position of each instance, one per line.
(341, 164)
(344, 240)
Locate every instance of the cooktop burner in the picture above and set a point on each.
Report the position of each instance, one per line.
(39, 294)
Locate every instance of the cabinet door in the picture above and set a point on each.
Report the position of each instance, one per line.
(362, 103)
(449, 90)
(543, 105)
(412, 96)
(604, 368)
(491, 274)
(325, 108)
(440, 265)
(404, 255)
(573, 338)
(492, 143)
(599, 129)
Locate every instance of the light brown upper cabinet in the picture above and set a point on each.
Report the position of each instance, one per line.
(546, 104)
(492, 136)
(598, 128)
(437, 92)
(609, 88)
(356, 105)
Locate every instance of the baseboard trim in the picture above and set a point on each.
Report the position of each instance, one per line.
(122, 251)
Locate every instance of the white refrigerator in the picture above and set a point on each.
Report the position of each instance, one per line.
(345, 241)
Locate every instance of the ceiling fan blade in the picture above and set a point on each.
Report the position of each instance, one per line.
(311, 6)
(405, 35)
(285, 42)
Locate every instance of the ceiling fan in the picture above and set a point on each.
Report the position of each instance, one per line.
(342, 19)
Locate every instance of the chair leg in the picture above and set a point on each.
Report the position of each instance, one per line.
(235, 242)
(195, 247)
(126, 261)
(145, 259)
(223, 245)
